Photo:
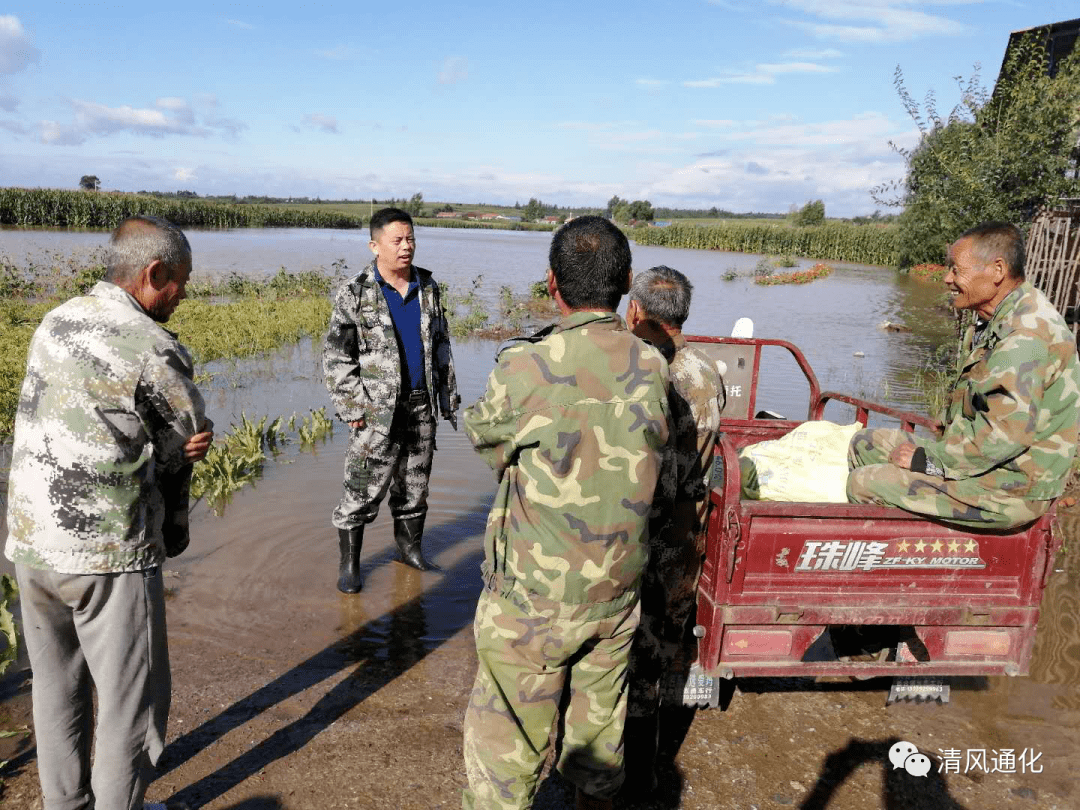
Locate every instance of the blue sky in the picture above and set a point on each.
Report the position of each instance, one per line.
(749, 106)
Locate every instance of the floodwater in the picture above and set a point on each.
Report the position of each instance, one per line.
(288, 694)
(835, 321)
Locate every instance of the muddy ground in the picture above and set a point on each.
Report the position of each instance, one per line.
(287, 694)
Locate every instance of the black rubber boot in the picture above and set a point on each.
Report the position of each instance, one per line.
(407, 534)
(639, 756)
(350, 541)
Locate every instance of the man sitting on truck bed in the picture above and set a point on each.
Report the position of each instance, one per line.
(1009, 433)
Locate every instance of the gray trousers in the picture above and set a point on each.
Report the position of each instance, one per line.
(102, 632)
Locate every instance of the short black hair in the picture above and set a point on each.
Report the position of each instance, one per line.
(993, 240)
(384, 216)
(664, 294)
(590, 259)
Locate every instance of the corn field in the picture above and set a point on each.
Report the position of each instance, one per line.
(99, 209)
(833, 241)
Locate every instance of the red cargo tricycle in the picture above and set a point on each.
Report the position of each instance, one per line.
(812, 589)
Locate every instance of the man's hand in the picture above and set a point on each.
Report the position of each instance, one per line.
(452, 419)
(901, 456)
(196, 448)
(358, 424)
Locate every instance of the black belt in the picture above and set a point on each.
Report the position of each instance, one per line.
(416, 396)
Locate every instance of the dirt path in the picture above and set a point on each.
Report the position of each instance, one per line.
(289, 695)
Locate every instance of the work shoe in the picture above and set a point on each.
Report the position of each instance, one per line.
(350, 542)
(407, 534)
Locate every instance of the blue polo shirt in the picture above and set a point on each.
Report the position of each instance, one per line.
(405, 313)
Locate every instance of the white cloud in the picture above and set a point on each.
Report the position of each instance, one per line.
(872, 20)
(764, 73)
(339, 53)
(327, 123)
(16, 52)
(455, 69)
(184, 175)
(8, 101)
(652, 84)
(240, 24)
(813, 53)
(171, 116)
(766, 166)
(14, 127)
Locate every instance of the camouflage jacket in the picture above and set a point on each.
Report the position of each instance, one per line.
(1011, 420)
(697, 386)
(361, 358)
(575, 426)
(106, 407)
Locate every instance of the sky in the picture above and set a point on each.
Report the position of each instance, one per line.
(741, 105)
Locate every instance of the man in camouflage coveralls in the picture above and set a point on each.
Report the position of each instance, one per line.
(575, 424)
(663, 648)
(1010, 428)
(108, 424)
(390, 374)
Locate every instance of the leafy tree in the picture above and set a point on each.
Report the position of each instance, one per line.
(641, 210)
(415, 205)
(89, 182)
(996, 157)
(612, 204)
(533, 210)
(813, 213)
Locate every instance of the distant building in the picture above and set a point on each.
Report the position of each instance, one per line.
(446, 215)
(1060, 41)
(489, 215)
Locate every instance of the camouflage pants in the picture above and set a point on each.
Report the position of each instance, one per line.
(399, 462)
(874, 479)
(537, 657)
(661, 649)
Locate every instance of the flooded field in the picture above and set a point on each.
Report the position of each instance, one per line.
(832, 320)
(290, 695)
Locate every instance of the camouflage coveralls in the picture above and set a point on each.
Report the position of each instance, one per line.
(1010, 426)
(575, 426)
(98, 487)
(669, 592)
(363, 369)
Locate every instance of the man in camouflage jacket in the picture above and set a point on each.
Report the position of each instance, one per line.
(575, 424)
(1010, 427)
(663, 646)
(390, 373)
(108, 424)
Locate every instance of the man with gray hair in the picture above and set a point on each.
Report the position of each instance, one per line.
(108, 425)
(659, 306)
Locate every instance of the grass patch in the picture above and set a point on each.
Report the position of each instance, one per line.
(833, 241)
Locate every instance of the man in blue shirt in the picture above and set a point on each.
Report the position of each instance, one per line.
(390, 374)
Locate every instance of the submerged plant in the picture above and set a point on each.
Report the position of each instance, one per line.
(819, 270)
(237, 458)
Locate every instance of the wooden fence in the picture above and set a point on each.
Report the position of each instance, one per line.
(1053, 258)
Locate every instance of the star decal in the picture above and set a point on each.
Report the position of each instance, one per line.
(903, 545)
(920, 545)
(937, 546)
